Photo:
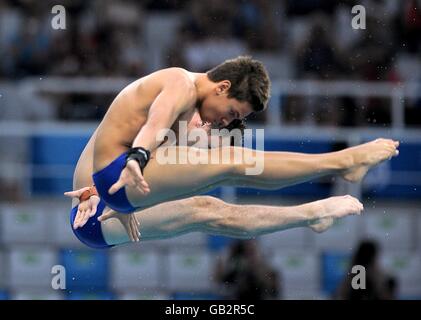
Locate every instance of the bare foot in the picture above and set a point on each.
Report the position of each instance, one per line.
(322, 225)
(327, 210)
(367, 155)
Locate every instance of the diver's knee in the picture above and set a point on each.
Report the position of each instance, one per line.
(232, 159)
(206, 202)
(206, 211)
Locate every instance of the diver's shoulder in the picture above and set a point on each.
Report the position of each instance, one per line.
(178, 73)
(174, 79)
(173, 75)
(179, 77)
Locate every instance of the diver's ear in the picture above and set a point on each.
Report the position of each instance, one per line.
(223, 87)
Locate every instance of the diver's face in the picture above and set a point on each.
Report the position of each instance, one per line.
(220, 110)
(196, 122)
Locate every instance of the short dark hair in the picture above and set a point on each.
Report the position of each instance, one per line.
(249, 80)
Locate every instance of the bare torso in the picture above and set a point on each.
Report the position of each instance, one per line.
(122, 122)
(128, 113)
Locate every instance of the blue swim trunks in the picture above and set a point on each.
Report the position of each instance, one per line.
(91, 233)
(105, 178)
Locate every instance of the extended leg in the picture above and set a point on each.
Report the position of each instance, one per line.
(214, 216)
(278, 169)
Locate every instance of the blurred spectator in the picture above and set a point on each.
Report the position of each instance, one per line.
(208, 35)
(371, 57)
(164, 5)
(318, 56)
(258, 23)
(297, 8)
(245, 275)
(410, 22)
(379, 286)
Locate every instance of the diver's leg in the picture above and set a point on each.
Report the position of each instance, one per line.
(214, 216)
(275, 169)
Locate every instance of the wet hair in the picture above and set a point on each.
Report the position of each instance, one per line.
(249, 80)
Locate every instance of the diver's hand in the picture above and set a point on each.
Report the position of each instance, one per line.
(86, 209)
(131, 176)
(129, 221)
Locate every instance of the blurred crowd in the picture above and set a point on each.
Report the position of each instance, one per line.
(245, 273)
(107, 38)
(376, 285)
(295, 39)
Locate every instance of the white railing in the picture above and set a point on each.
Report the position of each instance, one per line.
(396, 92)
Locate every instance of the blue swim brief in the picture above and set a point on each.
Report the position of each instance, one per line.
(105, 178)
(91, 233)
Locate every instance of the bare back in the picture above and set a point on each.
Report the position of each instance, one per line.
(129, 112)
